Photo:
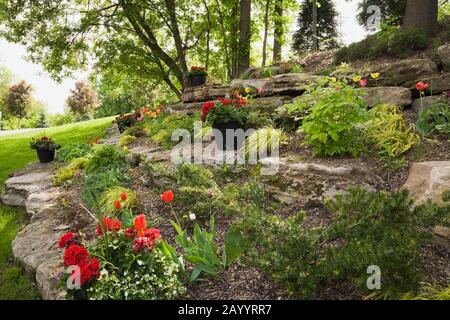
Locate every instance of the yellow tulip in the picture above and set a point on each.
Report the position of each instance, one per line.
(357, 78)
(248, 90)
(375, 75)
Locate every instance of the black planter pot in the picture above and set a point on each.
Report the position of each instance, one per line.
(220, 136)
(196, 80)
(45, 155)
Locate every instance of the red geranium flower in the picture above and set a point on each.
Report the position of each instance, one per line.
(167, 196)
(123, 196)
(109, 224)
(421, 86)
(142, 243)
(129, 233)
(140, 223)
(152, 234)
(117, 205)
(66, 240)
(89, 269)
(74, 254)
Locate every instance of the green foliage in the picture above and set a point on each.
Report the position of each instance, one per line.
(202, 250)
(267, 72)
(428, 292)
(333, 127)
(367, 228)
(262, 142)
(160, 128)
(435, 119)
(113, 194)
(138, 130)
(297, 69)
(105, 158)
(389, 131)
(225, 113)
(95, 184)
(254, 193)
(125, 140)
(73, 151)
(68, 172)
(391, 42)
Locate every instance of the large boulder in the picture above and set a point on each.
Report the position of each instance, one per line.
(205, 93)
(439, 83)
(292, 84)
(399, 72)
(428, 180)
(387, 95)
(444, 54)
(427, 102)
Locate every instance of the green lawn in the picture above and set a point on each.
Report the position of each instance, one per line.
(15, 154)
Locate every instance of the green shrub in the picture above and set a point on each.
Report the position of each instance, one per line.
(138, 130)
(95, 184)
(68, 172)
(334, 125)
(126, 140)
(73, 150)
(392, 42)
(367, 228)
(267, 72)
(389, 131)
(106, 157)
(194, 175)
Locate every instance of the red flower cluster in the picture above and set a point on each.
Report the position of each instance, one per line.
(145, 236)
(109, 224)
(129, 233)
(206, 108)
(74, 255)
(44, 138)
(421, 86)
(167, 196)
(196, 68)
(66, 240)
(89, 269)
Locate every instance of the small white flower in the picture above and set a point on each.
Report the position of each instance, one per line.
(192, 216)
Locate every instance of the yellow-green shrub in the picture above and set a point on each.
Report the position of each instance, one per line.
(263, 140)
(68, 172)
(112, 195)
(389, 131)
(126, 140)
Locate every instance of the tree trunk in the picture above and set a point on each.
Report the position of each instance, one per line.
(234, 42)
(225, 41)
(18, 123)
(244, 36)
(423, 15)
(314, 27)
(208, 34)
(266, 32)
(278, 31)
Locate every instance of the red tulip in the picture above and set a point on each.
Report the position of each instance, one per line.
(123, 196)
(421, 86)
(117, 205)
(140, 223)
(167, 196)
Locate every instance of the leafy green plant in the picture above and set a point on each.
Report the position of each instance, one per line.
(389, 131)
(435, 119)
(254, 192)
(225, 111)
(73, 150)
(267, 72)
(125, 140)
(106, 157)
(68, 172)
(202, 251)
(334, 125)
(296, 69)
(137, 130)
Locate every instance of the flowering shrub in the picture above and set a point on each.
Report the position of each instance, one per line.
(226, 110)
(130, 263)
(126, 120)
(44, 143)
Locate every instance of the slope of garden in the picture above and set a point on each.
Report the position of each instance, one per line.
(351, 142)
